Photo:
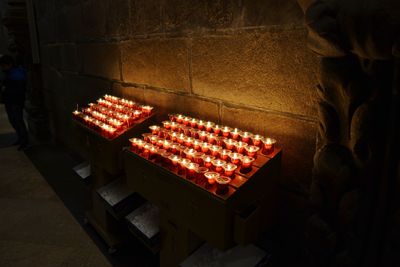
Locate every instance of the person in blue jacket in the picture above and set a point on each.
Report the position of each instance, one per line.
(13, 97)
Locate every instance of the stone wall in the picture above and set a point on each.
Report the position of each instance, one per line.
(237, 62)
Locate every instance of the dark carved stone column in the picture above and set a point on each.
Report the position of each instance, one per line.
(357, 155)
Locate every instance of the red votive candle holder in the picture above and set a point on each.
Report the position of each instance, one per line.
(209, 126)
(229, 169)
(149, 151)
(191, 170)
(226, 131)
(174, 148)
(193, 122)
(181, 139)
(140, 146)
(165, 159)
(153, 139)
(218, 165)
(167, 145)
(194, 133)
(189, 141)
(257, 140)
(179, 118)
(205, 148)
(198, 158)
(203, 135)
(212, 138)
(235, 158)
(268, 145)
(147, 110)
(200, 124)
(200, 178)
(207, 161)
(246, 137)
(197, 145)
(174, 161)
(247, 163)
(251, 151)
(134, 146)
(167, 124)
(222, 185)
(217, 129)
(186, 131)
(154, 129)
(215, 150)
(224, 154)
(189, 153)
(182, 165)
(137, 114)
(229, 144)
(174, 137)
(174, 126)
(235, 133)
(160, 143)
(186, 121)
(240, 147)
(211, 176)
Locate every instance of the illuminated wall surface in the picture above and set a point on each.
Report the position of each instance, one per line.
(241, 63)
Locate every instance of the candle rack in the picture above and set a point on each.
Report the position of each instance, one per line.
(237, 211)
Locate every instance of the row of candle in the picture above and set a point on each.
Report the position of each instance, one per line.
(196, 138)
(203, 169)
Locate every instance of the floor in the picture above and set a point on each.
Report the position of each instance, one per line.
(36, 229)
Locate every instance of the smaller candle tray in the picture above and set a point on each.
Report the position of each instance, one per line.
(111, 116)
(216, 158)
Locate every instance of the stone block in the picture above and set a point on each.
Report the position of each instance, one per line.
(134, 93)
(145, 17)
(271, 12)
(296, 137)
(160, 63)
(94, 19)
(69, 22)
(101, 60)
(168, 102)
(272, 70)
(70, 61)
(51, 55)
(118, 18)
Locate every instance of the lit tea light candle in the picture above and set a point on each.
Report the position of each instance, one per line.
(160, 143)
(217, 129)
(240, 147)
(211, 176)
(212, 138)
(251, 151)
(207, 160)
(167, 124)
(222, 185)
(189, 141)
(153, 139)
(203, 135)
(198, 158)
(76, 112)
(146, 150)
(229, 169)
(146, 137)
(205, 148)
(181, 139)
(174, 137)
(189, 153)
(182, 165)
(175, 161)
(197, 145)
(191, 170)
(137, 114)
(186, 131)
(215, 150)
(193, 122)
(268, 145)
(235, 158)
(229, 144)
(257, 140)
(200, 124)
(247, 163)
(134, 142)
(155, 129)
(218, 165)
(194, 133)
(167, 144)
(224, 154)
(226, 131)
(147, 110)
(186, 121)
(246, 136)
(174, 126)
(235, 134)
(209, 126)
(174, 148)
(179, 118)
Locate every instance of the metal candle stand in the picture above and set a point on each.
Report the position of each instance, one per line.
(106, 167)
(191, 214)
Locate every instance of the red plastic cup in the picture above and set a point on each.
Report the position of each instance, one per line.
(251, 151)
(207, 161)
(218, 165)
(229, 169)
(211, 176)
(247, 163)
(222, 185)
(268, 145)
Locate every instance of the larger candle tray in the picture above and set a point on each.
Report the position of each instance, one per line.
(106, 126)
(167, 167)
